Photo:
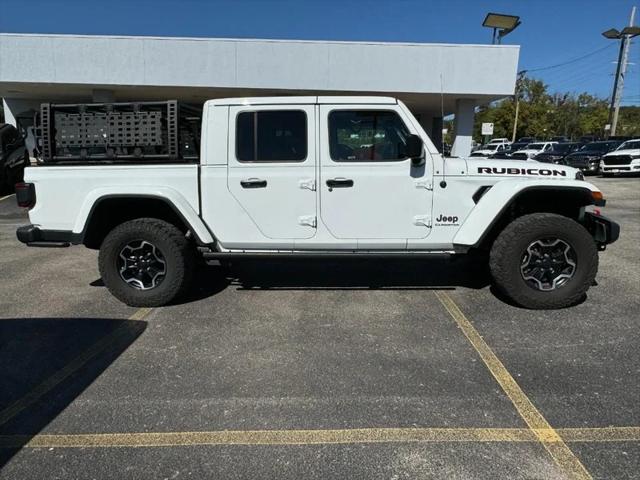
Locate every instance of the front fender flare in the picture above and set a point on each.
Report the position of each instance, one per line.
(499, 197)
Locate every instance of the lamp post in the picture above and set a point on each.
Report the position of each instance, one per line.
(625, 37)
(519, 81)
(502, 25)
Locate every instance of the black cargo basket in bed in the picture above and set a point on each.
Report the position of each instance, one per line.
(118, 132)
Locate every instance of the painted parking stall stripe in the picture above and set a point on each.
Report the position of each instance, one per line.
(318, 437)
(550, 439)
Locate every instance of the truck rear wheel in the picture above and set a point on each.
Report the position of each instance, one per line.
(146, 262)
(544, 261)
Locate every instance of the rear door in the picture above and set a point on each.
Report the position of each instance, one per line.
(369, 189)
(272, 168)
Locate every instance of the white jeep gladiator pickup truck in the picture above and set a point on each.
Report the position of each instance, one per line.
(309, 176)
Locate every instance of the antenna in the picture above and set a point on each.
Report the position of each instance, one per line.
(442, 114)
(442, 183)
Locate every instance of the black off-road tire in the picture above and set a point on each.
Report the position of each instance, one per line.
(510, 245)
(176, 249)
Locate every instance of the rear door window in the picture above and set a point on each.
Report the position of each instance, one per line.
(271, 136)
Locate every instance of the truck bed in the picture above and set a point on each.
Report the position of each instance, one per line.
(67, 193)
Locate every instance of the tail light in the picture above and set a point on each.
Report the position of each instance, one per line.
(26, 194)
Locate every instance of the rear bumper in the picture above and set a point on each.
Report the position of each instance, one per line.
(36, 237)
(603, 229)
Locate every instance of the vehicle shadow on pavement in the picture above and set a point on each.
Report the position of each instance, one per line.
(45, 363)
(359, 274)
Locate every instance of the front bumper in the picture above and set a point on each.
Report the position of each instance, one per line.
(633, 167)
(590, 167)
(603, 229)
(33, 236)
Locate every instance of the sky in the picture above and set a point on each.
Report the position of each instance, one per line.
(551, 33)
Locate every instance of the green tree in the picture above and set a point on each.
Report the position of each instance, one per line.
(543, 115)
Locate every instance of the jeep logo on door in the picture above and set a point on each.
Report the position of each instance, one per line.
(445, 220)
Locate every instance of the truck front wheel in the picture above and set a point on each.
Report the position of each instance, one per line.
(544, 261)
(146, 262)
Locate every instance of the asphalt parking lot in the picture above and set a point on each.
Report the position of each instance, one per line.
(341, 369)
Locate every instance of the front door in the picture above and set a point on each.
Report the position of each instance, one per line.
(272, 168)
(369, 189)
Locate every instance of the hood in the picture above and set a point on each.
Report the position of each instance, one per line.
(519, 168)
(629, 151)
(550, 153)
(528, 150)
(586, 153)
(484, 152)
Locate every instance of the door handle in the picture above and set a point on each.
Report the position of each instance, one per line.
(253, 183)
(339, 183)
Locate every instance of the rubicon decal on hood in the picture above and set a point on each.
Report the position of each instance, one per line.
(545, 172)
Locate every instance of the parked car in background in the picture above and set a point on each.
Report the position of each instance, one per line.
(489, 149)
(588, 157)
(560, 139)
(13, 157)
(532, 149)
(526, 140)
(588, 139)
(558, 152)
(508, 151)
(624, 159)
(499, 141)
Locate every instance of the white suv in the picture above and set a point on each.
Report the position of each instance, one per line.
(499, 141)
(624, 159)
(530, 151)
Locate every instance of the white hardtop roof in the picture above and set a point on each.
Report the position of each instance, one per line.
(295, 100)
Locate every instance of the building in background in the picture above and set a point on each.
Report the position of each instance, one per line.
(431, 79)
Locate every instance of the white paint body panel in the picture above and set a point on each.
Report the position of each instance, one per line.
(381, 207)
(278, 208)
(66, 194)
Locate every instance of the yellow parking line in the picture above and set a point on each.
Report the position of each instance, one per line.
(65, 372)
(549, 437)
(316, 437)
(140, 314)
(275, 437)
(603, 434)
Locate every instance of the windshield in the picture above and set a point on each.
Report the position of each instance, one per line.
(535, 146)
(563, 147)
(596, 147)
(488, 147)
(517, 146)
(630, 145)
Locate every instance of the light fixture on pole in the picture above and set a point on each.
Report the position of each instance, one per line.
(625, 37)
(502, 25)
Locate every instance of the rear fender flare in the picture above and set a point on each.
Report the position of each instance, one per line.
(168, 195)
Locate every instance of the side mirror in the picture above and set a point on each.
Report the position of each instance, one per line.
(415, 149)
